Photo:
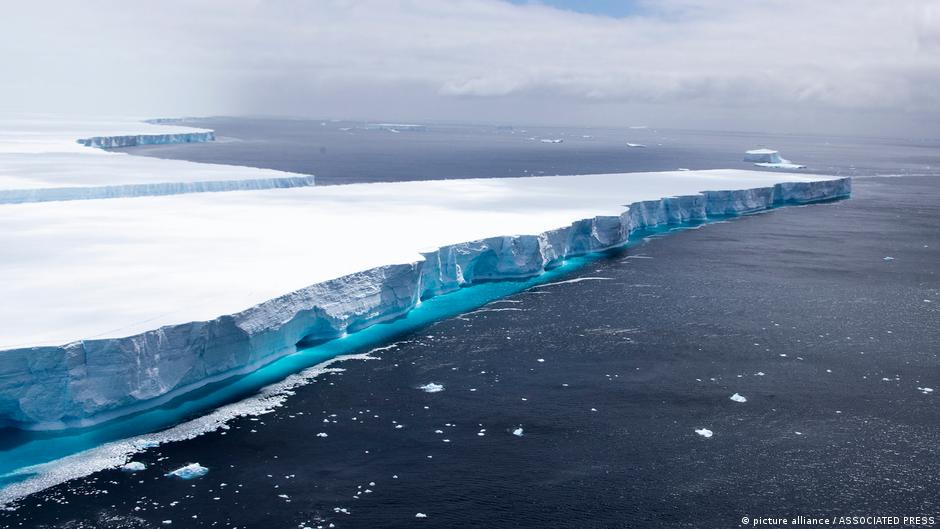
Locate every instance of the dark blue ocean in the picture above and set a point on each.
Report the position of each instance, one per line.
(573, 401)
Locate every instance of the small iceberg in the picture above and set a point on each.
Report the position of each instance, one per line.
(636, 145)
(737, 397)
(431, 387)
(134, 466)
(550, 140)
(190, 471)
(421, 515)
(517, 432)
(770, 158)
(704, 432)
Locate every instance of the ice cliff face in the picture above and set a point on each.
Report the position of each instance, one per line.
(93, 380)
(108, 142)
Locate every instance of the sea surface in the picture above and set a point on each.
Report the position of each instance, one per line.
(574, 400)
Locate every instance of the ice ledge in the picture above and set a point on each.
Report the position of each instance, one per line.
(133, 140)
(91, 381)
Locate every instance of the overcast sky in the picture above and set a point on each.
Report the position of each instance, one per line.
(865, 66)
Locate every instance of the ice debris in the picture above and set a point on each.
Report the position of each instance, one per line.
(704, 432)
(431, 387)
(737, 397)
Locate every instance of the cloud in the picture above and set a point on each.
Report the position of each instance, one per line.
(408, 56)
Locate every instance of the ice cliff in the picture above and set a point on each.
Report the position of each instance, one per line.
(92, 380)
(109, 142)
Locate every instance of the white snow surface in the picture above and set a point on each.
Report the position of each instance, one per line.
(113, 303)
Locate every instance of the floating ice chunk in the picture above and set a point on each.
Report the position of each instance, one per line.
(540, 360)
(431, 387)
(551, 140)
(769, 158)
(322, 434)
(888, 258)
(134, 466)
(636, 145)
(421, 515)
(737, 397)
(925, 391)
(167, 522)
(704, 432)
(190, 471)
(517, 432)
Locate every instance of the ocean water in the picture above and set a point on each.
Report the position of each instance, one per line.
(607, 366)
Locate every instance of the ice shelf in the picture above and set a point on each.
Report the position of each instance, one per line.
(52, 160)
(112, 304)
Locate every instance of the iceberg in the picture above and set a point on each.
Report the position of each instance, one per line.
(190, 471)
(134, 466)
(395, 127)
(144, 299)
(770, 158)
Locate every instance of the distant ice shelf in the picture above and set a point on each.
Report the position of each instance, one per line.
(41, 161)
(116, 305)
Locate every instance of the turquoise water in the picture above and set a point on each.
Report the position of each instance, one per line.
(23, 449)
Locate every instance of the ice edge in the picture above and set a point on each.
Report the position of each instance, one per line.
(91, 381)
(133, 140)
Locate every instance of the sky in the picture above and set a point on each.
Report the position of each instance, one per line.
(867, 67)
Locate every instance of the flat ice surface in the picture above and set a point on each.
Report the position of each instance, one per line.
(115, 267)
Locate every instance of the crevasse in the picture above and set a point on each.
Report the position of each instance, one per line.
(90, 381)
